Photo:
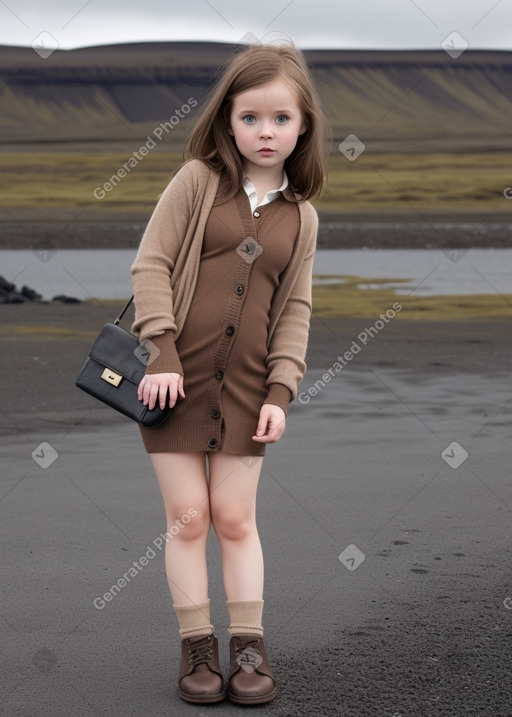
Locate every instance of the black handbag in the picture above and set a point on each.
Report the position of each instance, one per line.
(113, 370)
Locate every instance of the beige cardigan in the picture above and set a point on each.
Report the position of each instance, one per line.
(165, 271)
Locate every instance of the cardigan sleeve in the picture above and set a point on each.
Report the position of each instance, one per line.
(163, 355)
(288, 345)
(279, 395)
(155, 322)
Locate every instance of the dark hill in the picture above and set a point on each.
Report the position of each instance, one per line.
(401, 100)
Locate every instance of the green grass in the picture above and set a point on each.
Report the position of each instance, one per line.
(374, 182)
(426, 181)
(68, 180)
(349, 301)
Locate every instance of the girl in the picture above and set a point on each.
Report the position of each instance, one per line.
(222, 284)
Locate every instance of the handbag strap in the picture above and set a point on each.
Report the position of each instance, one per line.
(123, 311)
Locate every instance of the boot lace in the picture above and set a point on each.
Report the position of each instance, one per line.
(200, 651)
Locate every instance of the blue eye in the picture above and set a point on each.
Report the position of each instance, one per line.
(248, 119)
(281, 119)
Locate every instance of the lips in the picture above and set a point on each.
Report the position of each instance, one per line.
(266, 150)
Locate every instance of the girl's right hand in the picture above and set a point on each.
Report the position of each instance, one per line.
(156, 386)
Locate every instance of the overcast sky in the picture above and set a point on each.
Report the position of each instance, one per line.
(483, 24)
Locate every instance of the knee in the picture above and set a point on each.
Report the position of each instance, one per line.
(233, 522)
(188, 524)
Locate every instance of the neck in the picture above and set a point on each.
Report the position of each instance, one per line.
(272, 177)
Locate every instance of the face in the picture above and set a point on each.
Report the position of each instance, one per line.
(266, 123)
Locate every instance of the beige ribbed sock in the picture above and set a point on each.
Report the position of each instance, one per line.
(245, 617)
(194, 620)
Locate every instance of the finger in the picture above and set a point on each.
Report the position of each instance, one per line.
(273, 428)
(173, 395)
(263, 427)
(162, 395)
(153, 396)
(261, 431)
(268, 437)
(176, 389)
(146, 392)
(146, 389)
(271, 437)
(275, 434)
(141, 388)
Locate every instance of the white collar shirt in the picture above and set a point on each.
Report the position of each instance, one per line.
(250, 190)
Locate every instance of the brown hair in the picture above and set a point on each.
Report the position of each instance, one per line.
(253, 67)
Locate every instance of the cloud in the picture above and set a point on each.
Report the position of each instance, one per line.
(319, 23)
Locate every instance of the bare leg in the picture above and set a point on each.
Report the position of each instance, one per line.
(182, 479)
(233, 486)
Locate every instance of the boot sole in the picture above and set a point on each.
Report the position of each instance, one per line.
(253, 700)
(202, 699)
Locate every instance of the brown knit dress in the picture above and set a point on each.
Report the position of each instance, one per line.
(222, 346)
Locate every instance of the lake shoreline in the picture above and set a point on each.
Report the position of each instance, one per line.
(351, 230)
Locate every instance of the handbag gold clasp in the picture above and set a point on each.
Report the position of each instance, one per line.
(111, 377)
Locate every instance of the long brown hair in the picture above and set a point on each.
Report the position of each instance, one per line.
(253, 67)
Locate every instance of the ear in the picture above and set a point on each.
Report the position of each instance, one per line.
(230, 131)
(303, 127)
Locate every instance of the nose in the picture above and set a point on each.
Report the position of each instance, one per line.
(266, 129)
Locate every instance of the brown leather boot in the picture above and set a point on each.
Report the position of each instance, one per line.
(251, 680)
(200, 679)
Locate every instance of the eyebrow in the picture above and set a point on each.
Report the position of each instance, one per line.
(281, 111)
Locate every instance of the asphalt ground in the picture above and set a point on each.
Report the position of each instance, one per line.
(384, 513)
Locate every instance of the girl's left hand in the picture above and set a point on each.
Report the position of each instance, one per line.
(271, 424)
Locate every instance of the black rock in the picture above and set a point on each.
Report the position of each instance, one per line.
(6, 287)
(66, 299)
(12, 298)
(30, 294)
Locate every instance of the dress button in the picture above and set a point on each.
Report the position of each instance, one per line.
(250, 248)
(212, 443)
(219, 375)
(215, 413)
(256, 214)
(230, 330)
(239, 289)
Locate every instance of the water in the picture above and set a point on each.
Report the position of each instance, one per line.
(105, 273)
(428, 272)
